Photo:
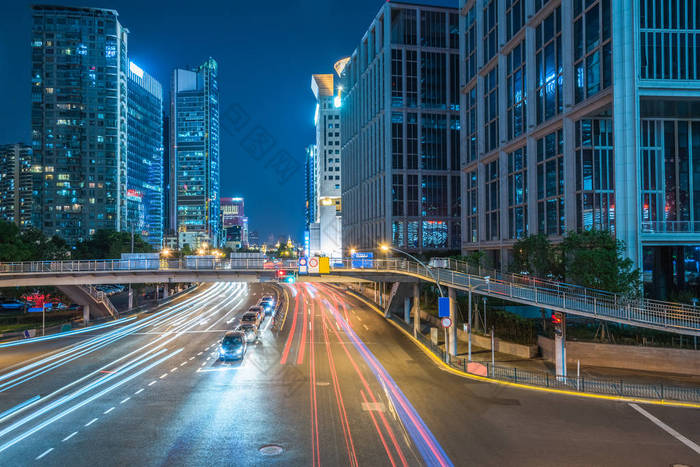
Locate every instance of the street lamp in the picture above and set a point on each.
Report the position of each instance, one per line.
(352, 251)
(385, 248)
(165, 252)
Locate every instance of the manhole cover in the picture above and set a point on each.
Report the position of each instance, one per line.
(271, 450)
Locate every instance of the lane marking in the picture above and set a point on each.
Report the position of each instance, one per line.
(163, 375)
(69, 436)
(667, 428)
(191, 358)
(43, 454)
(108, 411)
(174, 369)
(126, 399)
(152, 383)
(183, 363)
(365, 326)
(200, 353)
(139, 391)
(91, 421)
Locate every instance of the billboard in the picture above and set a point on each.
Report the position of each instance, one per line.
(361, 260)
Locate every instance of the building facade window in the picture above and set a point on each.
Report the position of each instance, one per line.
(434, 142)
(595, 177)
(517, 193)
(669, 33)
(471, 207)
(412, 195)
(470, 44)
(396, 77)
(434, 196)
(411, 141)
(397, 195)
(433, 80)
(411, 78)
(397, 234)
(592, 48)
(471, 126)
(434, 234)
(551, 217)
(490, 36)
(492, 192)
(432, 29)
(491, 110)
(403, 26)
(549, 66)
(517, 91)
(397, 140)
(515, 17)
(455, 128)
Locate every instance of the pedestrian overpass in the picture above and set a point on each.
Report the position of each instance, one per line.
(665, 316)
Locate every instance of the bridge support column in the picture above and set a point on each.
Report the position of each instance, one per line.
(131, 297)
(560, 347)
(407, 310)
(86, 314)
(416, 310)
(452, 330)
(166, 291)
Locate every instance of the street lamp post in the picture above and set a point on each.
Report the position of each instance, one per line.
(385, 248)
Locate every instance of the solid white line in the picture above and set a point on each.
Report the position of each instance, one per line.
(108, 411)
(125, 400)
(152, 383)
(667, 428)
(43, 454)
(91, 421)
(69, 436)
(139, 391)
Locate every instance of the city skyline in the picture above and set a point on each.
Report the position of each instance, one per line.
(275, 102)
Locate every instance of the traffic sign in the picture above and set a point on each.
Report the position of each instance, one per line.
(446, 322)
(303, 265)
(313, 265)
(443, 307)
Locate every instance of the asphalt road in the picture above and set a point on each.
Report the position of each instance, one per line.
(338, 385)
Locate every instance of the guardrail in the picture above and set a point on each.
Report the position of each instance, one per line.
(101, 297)
(673, 317)
(583, 384)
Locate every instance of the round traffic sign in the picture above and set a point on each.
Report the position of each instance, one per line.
(446, 322)
(313, 262)
(302, 261)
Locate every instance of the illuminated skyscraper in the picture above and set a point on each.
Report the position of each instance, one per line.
(234, 222)
(16, 184)
(79, 137)
(194, 155)
(144, 190)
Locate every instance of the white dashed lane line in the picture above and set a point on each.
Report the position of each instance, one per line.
(108, 411)
(69, 436)
(91, 421)
(44, 453)
(163, 375)
(152, 383)
(139, 391)
(126, 399)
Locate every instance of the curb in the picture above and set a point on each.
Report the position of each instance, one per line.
(445, 367)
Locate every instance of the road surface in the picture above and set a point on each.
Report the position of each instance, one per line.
(337, 385)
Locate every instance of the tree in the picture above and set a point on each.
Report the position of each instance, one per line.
(110, 244)
(595, 259)
(29, 245)
(536, 255)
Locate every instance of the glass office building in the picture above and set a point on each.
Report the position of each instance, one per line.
(16, 184)
(79, 99)
(310, 190)
(401, 132)
(144, 187)
(584, 114)
(194, 155)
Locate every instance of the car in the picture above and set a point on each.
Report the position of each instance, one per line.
(257, 309)
(10, 304)
(251, 317)
(268, 305)
(250, 330)
(232, 346)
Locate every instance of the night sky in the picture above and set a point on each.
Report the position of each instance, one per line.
(266, 50)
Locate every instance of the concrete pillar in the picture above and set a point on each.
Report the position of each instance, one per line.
(560, 348)
(416, 309)
(452, 330)
(131, 297)
(407, 310)
(86, 314)
(166, 291)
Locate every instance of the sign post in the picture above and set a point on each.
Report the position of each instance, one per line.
(446, 322)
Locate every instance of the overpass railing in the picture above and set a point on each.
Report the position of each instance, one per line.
(674, 317)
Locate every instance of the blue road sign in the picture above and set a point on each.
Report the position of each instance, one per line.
(443, 307)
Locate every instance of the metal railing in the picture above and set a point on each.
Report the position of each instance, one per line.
(101, 297)
(673, 317)
(584, 384)
(670, 226)
(668, 316)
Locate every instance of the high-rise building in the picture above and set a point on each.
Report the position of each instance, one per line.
(310, 180)
(194, 155)
(401, 132)
(327, 240)
(584, 115)
(79, 130)
(16, 184)
(167, 229)
(144, 186)
(234, 223)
